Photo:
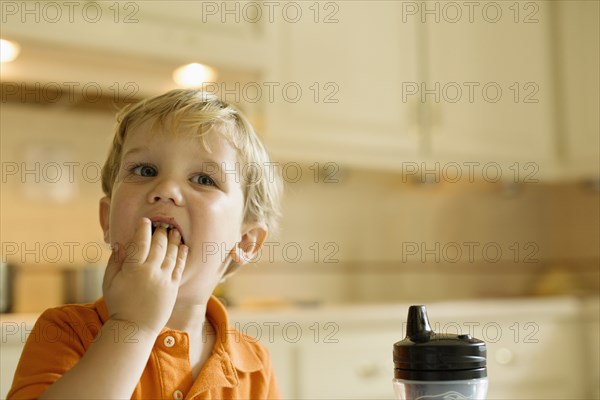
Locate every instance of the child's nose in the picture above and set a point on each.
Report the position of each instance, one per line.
(166, 190)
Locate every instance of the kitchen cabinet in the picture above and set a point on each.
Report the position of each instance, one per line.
(343, 64)
(527, 357)
(534, 76)
(378, 84)
(537, 348)
(163, 32)
(511, 84)
(358, 366)
(591, 333)
(530, 347)
(579, 83)
(489, 89)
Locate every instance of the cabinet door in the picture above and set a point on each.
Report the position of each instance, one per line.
(355, 365)
(591, 333)
(339, 70)
(579, 50)
(171, 33)
(529, 360)
(488, 91)
(535, 349)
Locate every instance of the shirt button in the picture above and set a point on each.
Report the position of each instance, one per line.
(169, 341)
(177, 395)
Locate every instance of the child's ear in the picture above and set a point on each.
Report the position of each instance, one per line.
(105, 217)
(253, 238)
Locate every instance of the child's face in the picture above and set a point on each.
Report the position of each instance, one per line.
(175, 178)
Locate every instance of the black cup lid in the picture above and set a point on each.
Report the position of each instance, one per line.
(426, 355)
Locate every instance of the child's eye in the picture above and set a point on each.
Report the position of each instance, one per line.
(203, 180)
(143, 170)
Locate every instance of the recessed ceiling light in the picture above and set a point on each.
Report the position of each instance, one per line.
(194, 75)
(8, 50)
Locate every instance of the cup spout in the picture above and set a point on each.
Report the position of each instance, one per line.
(418, 328)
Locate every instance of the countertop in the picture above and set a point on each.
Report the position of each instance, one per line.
(361, 314)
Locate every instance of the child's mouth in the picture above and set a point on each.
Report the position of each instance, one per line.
(168, 227)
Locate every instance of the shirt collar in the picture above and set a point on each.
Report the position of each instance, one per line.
(229, 344)
(102, 310)
(231, 341)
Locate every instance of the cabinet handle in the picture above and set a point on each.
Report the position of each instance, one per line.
(367, 371)
(504, 356)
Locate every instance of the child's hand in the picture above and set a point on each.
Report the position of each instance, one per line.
(142, 278)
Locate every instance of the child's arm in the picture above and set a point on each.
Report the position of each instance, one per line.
(140, 289)
(110, 368)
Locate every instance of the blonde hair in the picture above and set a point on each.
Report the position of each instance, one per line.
(201, 111)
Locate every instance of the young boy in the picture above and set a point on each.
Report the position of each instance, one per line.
(176, 182)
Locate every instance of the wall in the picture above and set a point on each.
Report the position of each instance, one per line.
(376, 220)
(356, 229)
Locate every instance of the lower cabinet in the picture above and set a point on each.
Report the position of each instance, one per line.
(591, 332)
(533, 354)
(359, 366)
(537, 349)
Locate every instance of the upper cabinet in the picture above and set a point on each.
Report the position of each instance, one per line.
(340, 68)
(578, 61)
(379, 84)
(513, 84)
(489, 90)
(227, 35)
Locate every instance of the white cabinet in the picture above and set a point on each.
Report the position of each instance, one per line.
(489, 87)
(344, 70)
(591, 333)
(358, 366)
(579, 63)
(537, 348)
(14, 330)
(159, 32)
(371, 84)
(11, 352)
(512, 83)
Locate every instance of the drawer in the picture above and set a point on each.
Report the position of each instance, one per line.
(527, 358)
(358, 366)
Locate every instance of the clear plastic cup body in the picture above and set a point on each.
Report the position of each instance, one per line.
(471, 389)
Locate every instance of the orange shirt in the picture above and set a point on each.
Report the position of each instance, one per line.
(238, 368)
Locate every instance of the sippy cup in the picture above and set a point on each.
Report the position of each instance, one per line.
(429, 365)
